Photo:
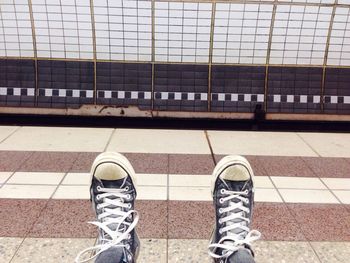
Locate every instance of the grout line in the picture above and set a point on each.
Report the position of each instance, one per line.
(314, 250)
(54, 192)
(210, 147)
(340, 202)
(318, 155)
(109, 139)
(8, 136)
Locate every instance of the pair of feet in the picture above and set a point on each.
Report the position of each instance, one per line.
(113, 195)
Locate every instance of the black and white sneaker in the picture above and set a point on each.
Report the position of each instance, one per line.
(113, 195)
(233, 195)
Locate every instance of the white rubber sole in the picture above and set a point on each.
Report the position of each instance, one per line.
(114, 157)
(228, 161)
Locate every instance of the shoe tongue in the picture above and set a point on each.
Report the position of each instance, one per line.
(235, 186)
(114, 184)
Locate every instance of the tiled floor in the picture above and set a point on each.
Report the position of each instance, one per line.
(302, 192)
(35, 250)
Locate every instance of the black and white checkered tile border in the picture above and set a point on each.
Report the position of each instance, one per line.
(180, 96)
(4, 91)
(278, 98)
(107, 94)
(337, 99)
(237, 97)
(66, 93)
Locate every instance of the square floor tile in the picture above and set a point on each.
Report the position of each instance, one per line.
(151, 179)
(328, 144)
(286, 166)
(4, 176)
(77, 178)
(27, 191)
(277, 252)
(267, 195)
(152, 193)
(190, 193)
(259, 143)
(263, 182)
(322, 222)
(298, 182)
(188, 250)
(276, 222)
(191, 164)
(17, 216)
(49, 162)
(151, 163)
(9, 246)
(308, 196)
(344, 196)
(337, 183)
(159, 141)
(58, 139)
(328, 166)
(65, 219)
(51, 250)
(332, 252)
(190, 180)
(36, 178)
(72, 192)
(153, 250)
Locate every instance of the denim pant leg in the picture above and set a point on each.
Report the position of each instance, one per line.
(241, 256)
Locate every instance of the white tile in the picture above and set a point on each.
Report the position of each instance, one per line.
(4, 176)
(344, 196)
(36, 178)
(5, 131)
(152, 193)
(190, 193)
(27, 191)
(259, 143)
(298, 182)
(151, 179)
(329, 144)
(262, 182)
(77, 178)
(72, 192)
(190, 180)
(307, 196)
(159, 141)
(57, 139)
(337, 183)
(267, 195)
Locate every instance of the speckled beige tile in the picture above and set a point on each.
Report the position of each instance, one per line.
(188, 250)
(152, 250)
(283, 252)
(332, 252)
(37, 250)
(8, 247)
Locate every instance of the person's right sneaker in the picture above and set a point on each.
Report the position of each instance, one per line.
(113, 196)
(233, 196)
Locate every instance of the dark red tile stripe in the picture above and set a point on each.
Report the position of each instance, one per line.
(175, 163)
(186, 220)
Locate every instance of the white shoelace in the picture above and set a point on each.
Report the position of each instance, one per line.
(111, 216)
(231, 242)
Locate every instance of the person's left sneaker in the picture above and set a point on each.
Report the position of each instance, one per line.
(233, 196)
(113, 195)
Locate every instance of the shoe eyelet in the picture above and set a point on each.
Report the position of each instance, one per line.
(98, 207)
(220, 210)
(129, 205)
(247, 201)
(246, 191)
(98, 197)
(129, 257)
(222, 191)
(128, 196)
(221, 200)
(98, 188)
(220, 221)
(127, 188)
(127, 246)
(220, 231)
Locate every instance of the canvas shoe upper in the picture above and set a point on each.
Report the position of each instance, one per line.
(113, 195)
(233, 196)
